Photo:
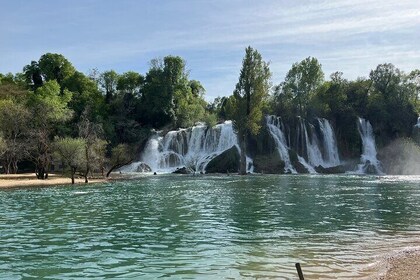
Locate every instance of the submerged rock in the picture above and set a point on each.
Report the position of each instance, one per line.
(300, 168)
(269, 164)
(330, 170)
(228, 161)
(182, 170)
(143, 167)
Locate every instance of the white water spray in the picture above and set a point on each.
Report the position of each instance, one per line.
(275, 125)
(193, 148)
(368, 161)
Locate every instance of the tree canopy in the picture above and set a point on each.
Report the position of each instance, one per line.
(114, 113)
(248, 99)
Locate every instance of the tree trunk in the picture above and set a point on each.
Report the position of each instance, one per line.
(86, 176)
(73, 171)
(112, 169)
(40, 173)
(242, 169)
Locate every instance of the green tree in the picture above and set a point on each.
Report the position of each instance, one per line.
(391, 107)
(108, 81)
(50, 66)
(303, 78)
(412, 81)
(85, 94)
(190, 104)
(94, 146)
(248, 99)
(48, 108)
(14, 119)
(167, 92)
(121, 155)
(33, 75)
(71, 152)
(55, 67)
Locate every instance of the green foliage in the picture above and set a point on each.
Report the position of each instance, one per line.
(250, 92)
(210, 119)
(85, 94)
(108, 81)
(168, 97)
(48, 105)
(129, 82)
(14, 120)
(248, 99)
(51, 98)
(391, 104)
(121, 155)
(71, 151)
(3, 146)
(55, 67)
(301, 80)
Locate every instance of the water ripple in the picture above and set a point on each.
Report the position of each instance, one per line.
(208, 227)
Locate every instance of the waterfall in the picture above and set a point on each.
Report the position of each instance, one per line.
(309, 146)
(418, 123)
(193, 148)
(312, 144)
(275, 126)
(368, 161)
(330, 149)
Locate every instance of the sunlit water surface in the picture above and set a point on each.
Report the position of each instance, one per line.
(208, 227)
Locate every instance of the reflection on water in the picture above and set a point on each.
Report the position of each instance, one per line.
(208, 227)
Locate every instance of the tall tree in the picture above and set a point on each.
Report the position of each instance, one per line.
(55, 67)
(48, 108)
(33, 75)
(108, 81)
(248, 99)
(165, 83)
(94, 146)
(14, 119)
(71, 152)
(302, 79)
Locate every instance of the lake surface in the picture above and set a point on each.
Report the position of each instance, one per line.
(208, 227)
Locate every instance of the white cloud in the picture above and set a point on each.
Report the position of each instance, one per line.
(349, 35)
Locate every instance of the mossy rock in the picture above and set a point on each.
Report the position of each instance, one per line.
(182, 170)
(228, 161)
(269, 164)
(143, 167)
(300, 168)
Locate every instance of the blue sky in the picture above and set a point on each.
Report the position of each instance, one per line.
(349, 36)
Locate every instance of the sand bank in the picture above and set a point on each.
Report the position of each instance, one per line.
(30, 180)
(402, 265)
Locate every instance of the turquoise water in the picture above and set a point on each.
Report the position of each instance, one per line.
(210, 227)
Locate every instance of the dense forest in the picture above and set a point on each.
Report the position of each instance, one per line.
(51, 114)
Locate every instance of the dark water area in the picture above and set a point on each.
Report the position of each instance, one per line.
(208, 227)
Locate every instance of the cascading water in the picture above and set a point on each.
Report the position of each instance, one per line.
(325, 152)
(368, 161)
(275, 125)
(330, 155)
(193, 148)
(313, 152)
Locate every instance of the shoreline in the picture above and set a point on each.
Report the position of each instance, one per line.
(29, 180)
(400, 265)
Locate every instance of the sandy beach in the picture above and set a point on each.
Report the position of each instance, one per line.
(30, 180)
(401, 265)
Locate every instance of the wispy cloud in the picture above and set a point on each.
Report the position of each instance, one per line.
(351, 36)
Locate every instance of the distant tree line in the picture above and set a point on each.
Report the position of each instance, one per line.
(52, 113)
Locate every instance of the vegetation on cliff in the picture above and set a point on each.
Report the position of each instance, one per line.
(105, 118)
